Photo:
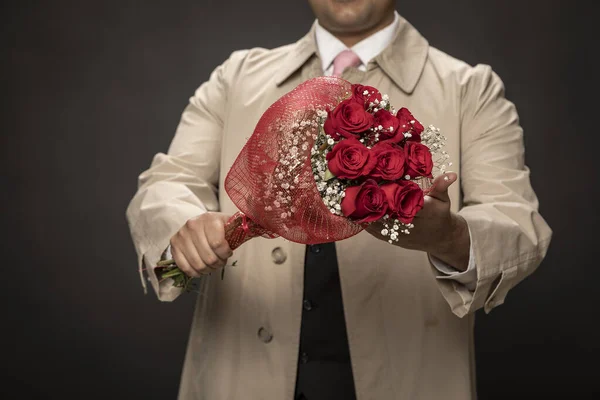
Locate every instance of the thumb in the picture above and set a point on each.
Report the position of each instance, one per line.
(439, 188)
(225, 218)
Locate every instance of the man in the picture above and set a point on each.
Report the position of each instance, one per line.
(359, 318)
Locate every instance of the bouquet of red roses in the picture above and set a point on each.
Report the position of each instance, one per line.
(371, 162)
(324, 160)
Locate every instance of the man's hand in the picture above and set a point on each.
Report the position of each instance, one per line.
(199, 247)
(438, 231)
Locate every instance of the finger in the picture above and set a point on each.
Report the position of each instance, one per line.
(183, 264)
(215, 236)
(193, 255)
(439, 188)
(430, 205)
(224, 218)
(208, 256)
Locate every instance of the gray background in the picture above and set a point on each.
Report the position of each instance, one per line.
(94, 89)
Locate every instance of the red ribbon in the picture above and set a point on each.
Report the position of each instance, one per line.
(245, 226)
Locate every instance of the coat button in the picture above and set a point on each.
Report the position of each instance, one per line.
(303, 358)
(264, 335)
(278, 255)
(315, 248)
(307, 305)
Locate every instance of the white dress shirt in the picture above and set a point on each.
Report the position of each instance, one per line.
(329, 47)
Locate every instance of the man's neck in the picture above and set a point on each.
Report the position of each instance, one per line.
(351, 38)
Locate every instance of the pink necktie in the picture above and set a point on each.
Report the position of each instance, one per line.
(345, 59)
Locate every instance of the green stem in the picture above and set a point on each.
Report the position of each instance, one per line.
(164, 263)
(172, 273)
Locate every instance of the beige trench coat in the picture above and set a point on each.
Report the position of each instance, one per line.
(410, 334)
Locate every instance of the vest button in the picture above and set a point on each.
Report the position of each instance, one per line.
(278, 255)
(303, 358)
(264, 335)
(315, 248)
(307, 305)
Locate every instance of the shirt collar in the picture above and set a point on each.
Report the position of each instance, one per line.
(329, 46)
(402, 60)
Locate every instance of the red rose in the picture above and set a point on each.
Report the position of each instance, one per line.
(418, 160)
(390, 126)
(409, 124)
(389, 161)
(348, 120)
(365, 203)
(358, 94)
(405, 199)
(350, 159)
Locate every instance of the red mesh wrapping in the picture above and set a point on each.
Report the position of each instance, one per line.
(273, 185)
(239, 229)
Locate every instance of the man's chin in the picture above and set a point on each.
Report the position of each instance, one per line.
(348, 24)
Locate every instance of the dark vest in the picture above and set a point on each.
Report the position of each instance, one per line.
(324, 369)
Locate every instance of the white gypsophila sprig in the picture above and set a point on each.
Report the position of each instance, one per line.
(330, 188)
(279, 194)
(435, 141)
(393, 227)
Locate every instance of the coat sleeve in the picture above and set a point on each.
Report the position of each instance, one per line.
(183, 183)
(509, 237)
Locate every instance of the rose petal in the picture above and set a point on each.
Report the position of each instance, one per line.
(349, 201)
